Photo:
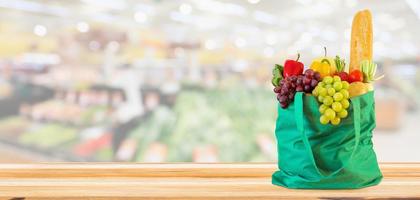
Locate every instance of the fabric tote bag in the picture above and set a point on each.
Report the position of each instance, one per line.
(316, 156)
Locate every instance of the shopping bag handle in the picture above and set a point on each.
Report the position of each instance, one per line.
(299, 123)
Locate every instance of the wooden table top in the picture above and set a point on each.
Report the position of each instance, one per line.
(183, 181)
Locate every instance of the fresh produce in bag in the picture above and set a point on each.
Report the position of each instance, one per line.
(326, 116)
(324, 65)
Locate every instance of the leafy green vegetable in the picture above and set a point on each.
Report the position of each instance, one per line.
(12, 126)
(228, 118)
(340, 64)
(156, 128)
(369, 70)
(104, 154)
(48, 135)
(277, 75)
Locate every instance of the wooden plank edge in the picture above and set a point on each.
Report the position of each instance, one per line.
(135, 170)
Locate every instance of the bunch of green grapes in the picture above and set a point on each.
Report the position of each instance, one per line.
(333, 95)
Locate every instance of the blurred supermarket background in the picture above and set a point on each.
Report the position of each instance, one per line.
(184, 80)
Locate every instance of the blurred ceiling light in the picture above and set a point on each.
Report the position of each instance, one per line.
(201, 22)
(145, 7)
(40, 30)
(35, 7)
(253, 1)
(221, 7)
(264, 17)
(108, 4)
(140, 17)
(185, 9)
(240, 42)
(176, 16)
(83, 27)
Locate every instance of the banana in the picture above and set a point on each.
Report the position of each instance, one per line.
(361, 39)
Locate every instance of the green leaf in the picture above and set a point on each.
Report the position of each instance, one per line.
(277, 75)
(340, 64)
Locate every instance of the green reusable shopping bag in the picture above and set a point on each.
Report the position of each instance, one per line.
(316, 156)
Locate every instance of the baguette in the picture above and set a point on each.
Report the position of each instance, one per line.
(361, 39)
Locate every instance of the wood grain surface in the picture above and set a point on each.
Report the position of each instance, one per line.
(183, 181)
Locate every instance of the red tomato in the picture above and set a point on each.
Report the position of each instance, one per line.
(355, 76)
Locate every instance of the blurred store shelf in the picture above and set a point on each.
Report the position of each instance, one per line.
(183, 80)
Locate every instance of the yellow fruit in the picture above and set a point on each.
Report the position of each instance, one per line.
(343, 113)
(361, 39)
(345, 103)
(357, 88)
(335, 121)
(324, 119)
(324, 65)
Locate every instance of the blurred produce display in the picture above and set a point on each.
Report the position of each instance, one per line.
(47, 136)
(179, 81)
